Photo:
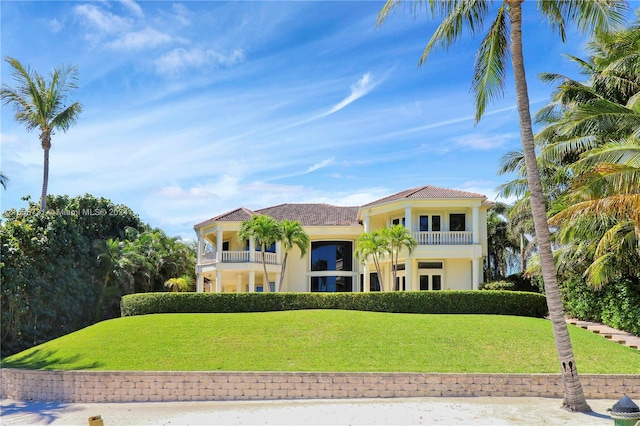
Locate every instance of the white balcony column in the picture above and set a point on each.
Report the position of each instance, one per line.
(219, 246)
(199, 283)
(252, 281)
(200, 247)
(408, 222)
(408, 274)
(278, 252)
(476, 224)
(365, 222)
(238, 283)
(218, 281)
(366, 285)
(252, 250)
(475, 273)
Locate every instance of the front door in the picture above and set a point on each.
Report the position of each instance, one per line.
(431, 282)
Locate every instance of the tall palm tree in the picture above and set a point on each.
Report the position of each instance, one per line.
(398, 238)
(373, 244)
(3, 180)
(503, 38)
(265, 231)
(41, 105)
(291, 234)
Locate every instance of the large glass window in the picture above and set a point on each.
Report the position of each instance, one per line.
(331, 284)
(374, 284)
(456, 222)
(270, 249)
(424, 223)
(435, 223)
(332, 256)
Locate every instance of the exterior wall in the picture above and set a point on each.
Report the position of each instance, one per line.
(457, 274)
(139, 386)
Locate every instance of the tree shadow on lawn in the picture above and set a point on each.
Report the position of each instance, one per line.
(33, 412)
(40, 360)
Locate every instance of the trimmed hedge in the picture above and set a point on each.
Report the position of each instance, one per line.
(420, 302)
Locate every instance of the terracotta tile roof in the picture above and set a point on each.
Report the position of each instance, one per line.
(426, 191)
(306, 214)
(314, 214)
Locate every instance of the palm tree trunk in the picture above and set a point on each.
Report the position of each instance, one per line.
(45, 180)
(282, 271)
(573, 395)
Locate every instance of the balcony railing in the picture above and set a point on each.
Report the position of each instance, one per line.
(443, 238)
(238, 257)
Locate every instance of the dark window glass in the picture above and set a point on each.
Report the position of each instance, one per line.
(260, 288)
(435, 223)
(374, 284)
(225, 246)
(401, 267)
(331, 284)
(332, 256)
(456, 222)
(397, 221)
(401, 283)
(429, 265)
(270, 249)
(424, 223)
(436, 282)
(424, 282)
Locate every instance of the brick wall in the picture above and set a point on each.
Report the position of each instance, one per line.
(134, 386)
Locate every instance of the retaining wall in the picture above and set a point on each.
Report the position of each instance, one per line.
(138, 386)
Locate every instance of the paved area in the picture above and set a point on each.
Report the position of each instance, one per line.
(607, 332)
(397, 411)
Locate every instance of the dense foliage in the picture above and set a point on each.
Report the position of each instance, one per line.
(423, 302)
(55, 278)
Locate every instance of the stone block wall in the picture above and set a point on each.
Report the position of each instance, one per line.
(140, 386)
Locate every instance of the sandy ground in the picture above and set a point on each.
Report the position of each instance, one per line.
(396, 411)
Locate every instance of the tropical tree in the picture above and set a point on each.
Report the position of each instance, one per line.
(504, 38)
(40, 104)
(116, 278)
(501, 244)
(265, 231)
(3, 180)
(183, 283)
(373, 244)
(398, 238)
(291, 234)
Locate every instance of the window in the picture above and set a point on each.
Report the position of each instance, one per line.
(400, 267)
(225, 246)
(435, 223)
(424, 223)
(270, 249)
(429, 265)
(397, 221)
(331, 284)
(374, 284)
(332, 256)
(436, 282)
(260, 288)
(456, 222)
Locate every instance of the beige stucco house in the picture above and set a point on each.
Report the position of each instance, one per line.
(450, 227)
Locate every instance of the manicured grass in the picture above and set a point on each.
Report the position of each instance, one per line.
(325, 340)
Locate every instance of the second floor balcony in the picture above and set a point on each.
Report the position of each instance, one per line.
(443, 238)
(238, 257)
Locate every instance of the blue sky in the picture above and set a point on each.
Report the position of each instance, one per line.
(192, 109)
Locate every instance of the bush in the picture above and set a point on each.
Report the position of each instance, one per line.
(436, 302)
(616, 305)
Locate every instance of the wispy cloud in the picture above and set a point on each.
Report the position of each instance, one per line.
(362, 87)
(101, 19)
(136, 40)
(320, 165)
(180, 59)
(133, 7)
(484, 142)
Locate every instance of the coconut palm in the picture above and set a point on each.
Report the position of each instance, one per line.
(373, 244)
(291, 234)
(398, 238)
(41, 105)
(265, 231)
(503, 38)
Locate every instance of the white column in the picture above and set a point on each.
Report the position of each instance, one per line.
(365, 222)
(200, 247)
(239, 283)
(408, 274)
(252, 282)
(366, 285)
(199, 283)
(476, 225)
(279, 253)
(218, 281)
(408, 222)
(219, 246)
(475, 273)
(252, 250)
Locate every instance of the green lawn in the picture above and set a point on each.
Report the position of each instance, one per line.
(325, 340)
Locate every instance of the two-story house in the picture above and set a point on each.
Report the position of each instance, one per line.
(450, 227)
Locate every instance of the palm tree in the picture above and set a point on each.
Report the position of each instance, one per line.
(3, 180)
(116, 278)
(265, 231)
(398, 238)
(291, 234)
(41, 104)
(503, 38)
(373, 244)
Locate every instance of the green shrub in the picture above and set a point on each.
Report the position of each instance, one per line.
(497, 285)
(436, 302)
(616, 305)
